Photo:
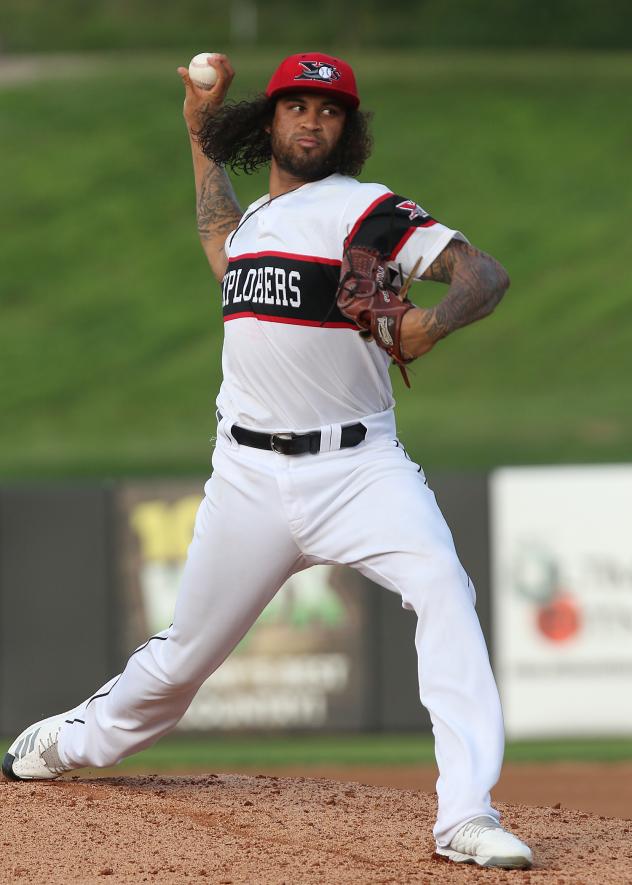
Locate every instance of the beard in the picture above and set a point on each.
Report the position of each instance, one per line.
(304, 165)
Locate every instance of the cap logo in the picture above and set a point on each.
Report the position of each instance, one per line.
(314, 70)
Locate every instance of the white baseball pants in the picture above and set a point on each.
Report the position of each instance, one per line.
(266, 516)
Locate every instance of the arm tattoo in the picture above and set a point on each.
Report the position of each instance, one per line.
(218, 211)
(442, 268)
(477, 283)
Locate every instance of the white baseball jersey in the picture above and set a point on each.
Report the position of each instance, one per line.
(291, 360)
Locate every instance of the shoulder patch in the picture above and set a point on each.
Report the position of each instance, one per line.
(387, 223)
(414, 210)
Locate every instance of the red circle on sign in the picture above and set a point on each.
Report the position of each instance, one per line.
(560, 620)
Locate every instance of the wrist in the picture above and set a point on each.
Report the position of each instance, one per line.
(195, 123)
(418, 333)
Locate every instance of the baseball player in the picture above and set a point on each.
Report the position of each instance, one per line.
(307, 467)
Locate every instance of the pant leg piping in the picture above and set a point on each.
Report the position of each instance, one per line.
(140, 648)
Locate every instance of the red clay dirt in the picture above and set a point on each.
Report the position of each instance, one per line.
(595, 787)
(266, 830)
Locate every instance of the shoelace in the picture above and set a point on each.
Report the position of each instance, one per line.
(469, 834)
(49, 754)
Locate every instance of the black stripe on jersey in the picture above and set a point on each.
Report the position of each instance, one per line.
(387, 224)
(285, 288)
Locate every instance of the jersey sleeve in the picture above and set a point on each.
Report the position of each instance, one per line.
(402, 230)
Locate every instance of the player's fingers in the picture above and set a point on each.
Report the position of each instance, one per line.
(225, 71)
(219, 58)
(186, 79)
(225, 61)
(225, 74)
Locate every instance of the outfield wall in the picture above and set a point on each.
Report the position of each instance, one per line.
(87, 572)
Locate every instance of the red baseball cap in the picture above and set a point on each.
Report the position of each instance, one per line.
(315, 72)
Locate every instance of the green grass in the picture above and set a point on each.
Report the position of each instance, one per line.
(208, 753)
(110, 329)
(70, 25)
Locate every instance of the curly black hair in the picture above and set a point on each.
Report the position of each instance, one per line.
(236, 136)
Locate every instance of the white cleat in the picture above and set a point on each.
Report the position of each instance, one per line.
(33, 754)
(484, 842)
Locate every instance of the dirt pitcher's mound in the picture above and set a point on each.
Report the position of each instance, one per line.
(236, 829)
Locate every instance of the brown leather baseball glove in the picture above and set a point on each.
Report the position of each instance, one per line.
(375, 305)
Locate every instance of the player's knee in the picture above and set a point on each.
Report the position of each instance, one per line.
(439, 581)
(175, 668)
(182, 676)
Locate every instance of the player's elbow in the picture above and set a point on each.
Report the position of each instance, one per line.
(216, 257)
(497, 282)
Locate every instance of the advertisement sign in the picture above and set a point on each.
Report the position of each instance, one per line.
(562, 599)
(300, 665)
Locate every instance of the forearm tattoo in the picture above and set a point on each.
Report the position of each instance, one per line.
(218, 211)
(477, 283)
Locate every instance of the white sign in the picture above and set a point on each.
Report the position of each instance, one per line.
(562, 599)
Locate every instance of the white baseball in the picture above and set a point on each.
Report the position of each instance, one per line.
(202, 74)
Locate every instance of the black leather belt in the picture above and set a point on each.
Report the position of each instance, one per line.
(295, 443)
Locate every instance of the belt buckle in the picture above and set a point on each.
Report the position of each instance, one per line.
(275, 436)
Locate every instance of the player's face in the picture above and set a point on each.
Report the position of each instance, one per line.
(305, 131)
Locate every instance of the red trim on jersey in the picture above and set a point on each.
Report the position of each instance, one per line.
(366, 212)
(292, 255)
(288, 320)
(398, 248)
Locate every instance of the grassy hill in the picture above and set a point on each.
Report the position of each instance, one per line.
(110, 321)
